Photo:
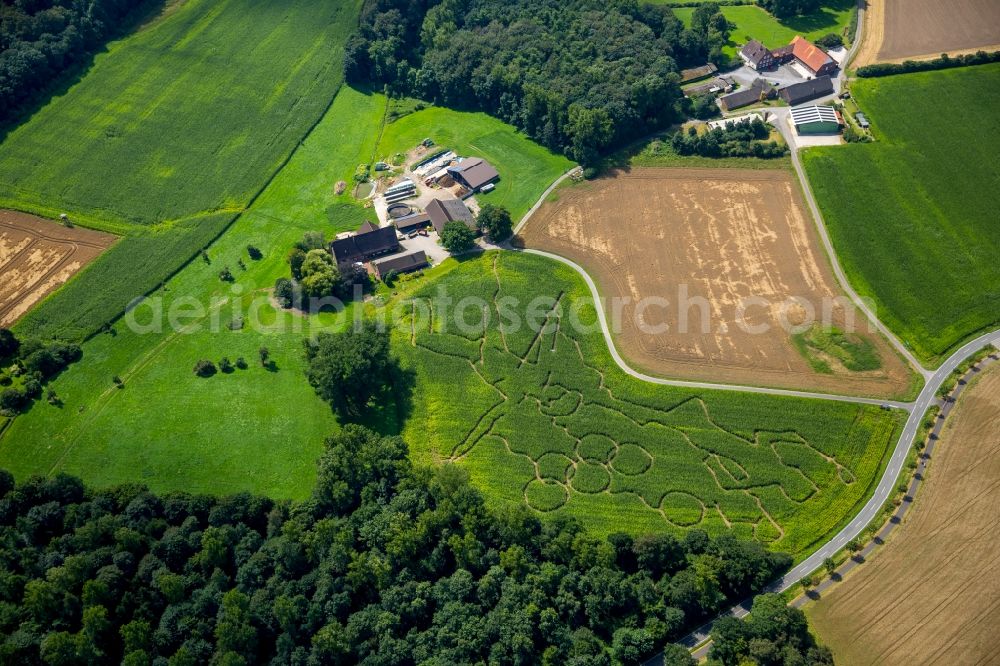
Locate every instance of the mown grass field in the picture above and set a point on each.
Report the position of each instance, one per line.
(913, 216)
(525, 168)
(254, 429)
(168, 136)
(543, 416)
(189, 115)
(752, 22)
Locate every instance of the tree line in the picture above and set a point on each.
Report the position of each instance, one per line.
(385, 563)
(41, 39)
(943, 62)
(27, 366)
(774, 634)
(577, 76)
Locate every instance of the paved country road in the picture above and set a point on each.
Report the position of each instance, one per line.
(698, 638)
(697, 641)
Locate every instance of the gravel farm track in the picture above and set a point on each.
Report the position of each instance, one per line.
(37, 256)
(698, 640)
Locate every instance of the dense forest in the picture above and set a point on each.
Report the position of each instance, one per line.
(384, 564)
(577, 76)
(774, 634)
(40, 39)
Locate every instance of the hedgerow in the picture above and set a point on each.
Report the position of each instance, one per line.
(944, 62)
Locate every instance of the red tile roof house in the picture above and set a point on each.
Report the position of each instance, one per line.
(810, 56)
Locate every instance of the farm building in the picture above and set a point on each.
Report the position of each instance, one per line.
(404, 189)
(412, 222)
(812, 57)
(442, 212)
(799, 93)
(399, 263)
(758, 91)
(816, 120)
(716, 85)
(736, 120)
(756, 56)
(370, 241)
(695, 73)
(473, 173)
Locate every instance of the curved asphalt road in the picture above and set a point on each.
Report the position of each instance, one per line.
(602, 316)
(933, 379)
(874, 504)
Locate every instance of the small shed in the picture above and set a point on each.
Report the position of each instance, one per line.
(412, 222)
(695, 73)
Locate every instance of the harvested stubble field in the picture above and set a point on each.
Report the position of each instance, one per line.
(725, 236)
(541, 415)
(37, 256)
(931, 595)
(915, 28)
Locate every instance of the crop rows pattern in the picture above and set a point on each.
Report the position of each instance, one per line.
(544, 417)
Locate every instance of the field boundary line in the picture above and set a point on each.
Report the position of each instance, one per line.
(541, 200)
(236, 214)
(680, 383)
(699, 640)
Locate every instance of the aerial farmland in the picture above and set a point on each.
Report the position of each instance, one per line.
(725, 235)
(497, 331)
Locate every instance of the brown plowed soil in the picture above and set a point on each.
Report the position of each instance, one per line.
(931, 595)
(37, 256)
(722, 235)
(927, 28)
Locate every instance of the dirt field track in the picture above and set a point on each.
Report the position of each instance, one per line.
(37, 256)
(897, 30)
(931, 595)
(717, 237)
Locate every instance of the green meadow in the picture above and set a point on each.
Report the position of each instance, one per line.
(171, 132)
(918, 232)
(542, 416)
(255, 429)
(191, 114)
(525, 168)
(752, 22)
